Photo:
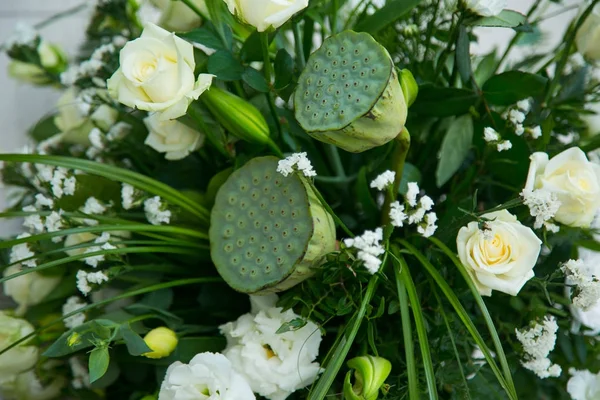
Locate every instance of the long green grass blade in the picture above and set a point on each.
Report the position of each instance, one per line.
(140, 181)
(462, 313)
(391, 12)
(484, 311)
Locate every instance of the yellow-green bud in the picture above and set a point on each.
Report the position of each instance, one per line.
(409, 86)
(74, 339)
(162, 341)
(149, 397)
(370, 374)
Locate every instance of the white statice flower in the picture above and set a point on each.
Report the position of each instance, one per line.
(207, 376)
(369, 248)
(33, 222)
(44, 172)
(426, 203)
(274, 364)
(60, 174)
(588, 322)
(566, 139)
(156, 211)
(430, 225)
(118, 131)
(490, 134)
(519, 129)
(543, 205)
(486, 8)
(96, 138)
(93, 261)
(516, 117)
(383, 180)
(21, 252)
(43, 201)
(417, 215)
(535, 132)
(85, 278)
(69, 186)
(127, 196)
(583, 385)
(93, 206)
(23, 35)
(397, 215)
(412, 193)
(587, 285)
(538, 341)
(72, 304)
(54, 222)
(524, 105)
(504, 145)
(79, 373)
(298, 160)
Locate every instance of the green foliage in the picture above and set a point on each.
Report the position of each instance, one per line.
(455, 148)
(509, 87)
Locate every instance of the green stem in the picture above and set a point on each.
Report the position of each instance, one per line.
(300, 59)
(334, 13)
(402, 143)
(570, 38)
(195, 9)
(267, 67)
(453, 38)
(334, 156)
(337, 220)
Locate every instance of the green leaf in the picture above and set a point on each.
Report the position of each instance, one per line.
(44, 129)
(205, 37)
(284, 69)
(506, 19)
(255, 80)
(390, 13)
(224, 65)
(486, 67)
(455, 147)
(443, 102)
(98, 364)
(410, 173)
(252, 48)
(134, 342)
(79, 338)
(463, 56)
(509, 87)
(292, 325)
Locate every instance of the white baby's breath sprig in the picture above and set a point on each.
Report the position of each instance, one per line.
(20, 252)
(85, 278)
(369, 248)
(72, 304)
(542, 204)
(538, 341)
(383, 180)
(157, 212)
(297, 161)
(587, 286)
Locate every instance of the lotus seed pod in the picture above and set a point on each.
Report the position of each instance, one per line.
(268, 231)
(349, 94)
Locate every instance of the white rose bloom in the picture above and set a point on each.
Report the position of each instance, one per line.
(502, 257)
(486, 8)
(27, 386)
(30, 289)
(573, 179)
(262, 14)
(157, 74)
(172, 137)
(207, 376)
(583, 385)
(275, 365)
(20, 358)
(588, 36)
(178, 17)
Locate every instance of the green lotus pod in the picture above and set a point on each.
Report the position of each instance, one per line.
(268, 231)
(349, 94)
(370, 374)
(410, 87)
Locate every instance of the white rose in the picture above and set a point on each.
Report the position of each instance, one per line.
(588, 36)
(275, 365)
(207, 376)
(177, 16)
(172, 137)
(262, 14)
(20, 358)
(27, 386)
(502, 257)
(486, 8)
(74, 120)
(30, 289)
(157, 74)
(573, 179)
(583, 385)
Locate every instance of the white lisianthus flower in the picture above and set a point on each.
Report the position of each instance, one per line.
(262, 14)
(573, 179)
(27, 386)
(588, 36)
(20, 358)
(207, 376)
(275, 365)
(583, 385)
(500, 258)
(176, 16)
(30, 289)
(486, 8)
(172, 137)
(157, 74)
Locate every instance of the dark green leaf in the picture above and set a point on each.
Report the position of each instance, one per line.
(159, 299)
(252, 48)
(99, 359)
(391, 12)
(284, 69)
(205, 37)
(134, 342)
(44, 129)
(443, 102)
(409, 174)
(509, 87)
(292, 325)
(172, 320)
(255, 80)
(79, 338)
(463, 56)
(506, 19)
(224, 65)
(455, 147)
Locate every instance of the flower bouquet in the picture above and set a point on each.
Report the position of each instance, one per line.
(294, 199)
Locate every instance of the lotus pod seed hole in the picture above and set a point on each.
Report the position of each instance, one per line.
(257, 224)
(268, 269)
(231, 200)
(228, 248)
(253, 272)
(240, 242)
(284, 234)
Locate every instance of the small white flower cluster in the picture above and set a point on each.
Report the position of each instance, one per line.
(85, 278)
(587, 291)
(538, 341)
(419, 214)
(128, 196)
(79, 371)
(72, 304)
(298, 160)
(90, 68)
(45, 146)
(103, 244)
(156, 211)
(383, 180)
(516, 116)
(369, 248)
(38, 224)
(493, 138)
(61, 182)
(23, 35)
(543, 205)
(93, 206)
(118, 131)
(20, 252)
(566, 139)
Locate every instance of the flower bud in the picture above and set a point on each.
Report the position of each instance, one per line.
(162, 341)
(349, 94)
(409, 86)
(51, 60)
(370, 374)
(263, 14)
(588, 36)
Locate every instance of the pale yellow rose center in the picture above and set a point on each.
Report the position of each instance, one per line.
(269, 351)
(495, 251)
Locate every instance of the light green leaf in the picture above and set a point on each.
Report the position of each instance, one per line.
(506, 19)
(98, 364)
(134, 342)
(455, 147)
